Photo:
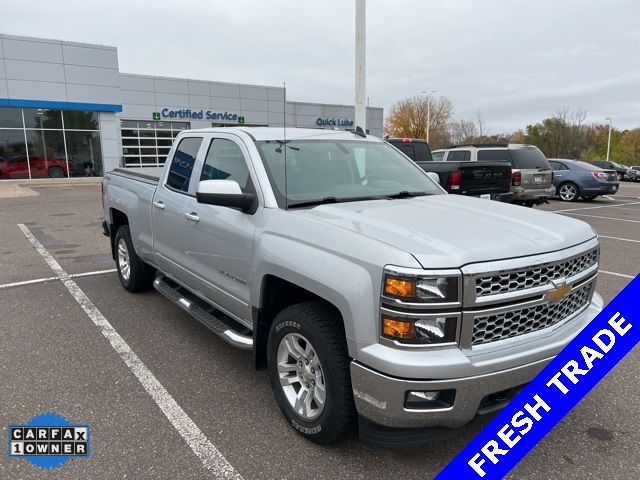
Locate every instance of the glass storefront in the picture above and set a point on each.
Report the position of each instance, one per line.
(147, 143)
(42, 143)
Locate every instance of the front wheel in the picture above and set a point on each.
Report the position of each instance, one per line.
(568, 192)
(309, 371)
(56, 172)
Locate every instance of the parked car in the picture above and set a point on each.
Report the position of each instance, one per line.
(488, 180)
(531, 177)
(622, 171)
(574, 179)
(636, 168)
(18, 167)
(372, 297)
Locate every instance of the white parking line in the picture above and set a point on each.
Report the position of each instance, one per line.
(618, 238)
(599, 206)
(596, 216)
(28, 282)
(209, 455)
(49, 279)
(617, 274)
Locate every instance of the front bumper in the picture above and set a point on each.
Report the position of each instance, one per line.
(380, 398)
(521, 194)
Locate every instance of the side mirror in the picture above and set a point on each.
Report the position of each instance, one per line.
(225, 193)
(434, 176)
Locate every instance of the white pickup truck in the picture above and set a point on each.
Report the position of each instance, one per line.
(375, 300)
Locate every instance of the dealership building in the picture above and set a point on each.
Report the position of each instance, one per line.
(66, 110)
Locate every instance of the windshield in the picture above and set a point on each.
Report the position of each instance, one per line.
(334, 170)
(529, 158)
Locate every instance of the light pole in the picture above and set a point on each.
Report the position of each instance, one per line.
(428, 93)
(609, 140)
(361, 66)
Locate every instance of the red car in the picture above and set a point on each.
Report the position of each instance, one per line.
(18, 167)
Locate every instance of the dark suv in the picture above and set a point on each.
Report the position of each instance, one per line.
(622, 172)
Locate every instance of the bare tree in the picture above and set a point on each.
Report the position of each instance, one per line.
(481, 124)
(463, 131)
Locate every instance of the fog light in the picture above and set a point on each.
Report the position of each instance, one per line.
(429, 399)
(422, 396)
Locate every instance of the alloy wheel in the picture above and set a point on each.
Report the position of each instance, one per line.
(123, 260)
(568, 192)
(301, 376)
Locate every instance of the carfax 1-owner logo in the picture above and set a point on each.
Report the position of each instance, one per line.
(49, 440)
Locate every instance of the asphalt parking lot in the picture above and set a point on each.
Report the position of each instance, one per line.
(53, 357)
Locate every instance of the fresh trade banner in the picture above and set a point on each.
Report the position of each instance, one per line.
(553, 393)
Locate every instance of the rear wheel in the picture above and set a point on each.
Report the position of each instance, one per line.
(134, 274)
(620, 176)
(568, 192)
(309, 371)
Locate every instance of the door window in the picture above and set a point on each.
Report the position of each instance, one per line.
(225, 161)
(494, 155)
(182, 163)
(459, 156)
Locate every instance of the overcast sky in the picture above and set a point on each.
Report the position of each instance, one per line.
(516, 61)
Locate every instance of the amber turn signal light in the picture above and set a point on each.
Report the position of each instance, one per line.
(399, 287)
(396, 328)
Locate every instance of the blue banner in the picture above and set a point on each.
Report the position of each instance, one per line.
(553, 393)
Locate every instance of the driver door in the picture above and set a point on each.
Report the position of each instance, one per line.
(218, 240)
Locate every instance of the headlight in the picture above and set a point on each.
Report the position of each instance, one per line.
(423, 289)
(421, 306)
(432, 330)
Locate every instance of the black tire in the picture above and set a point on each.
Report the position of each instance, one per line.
(56, 172)
(620, 176)
(528, 203)
(321, 325)
(140, 275)
(568, 192)
(588, 198)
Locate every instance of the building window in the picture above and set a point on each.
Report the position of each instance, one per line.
(147, 143)
(44, 143)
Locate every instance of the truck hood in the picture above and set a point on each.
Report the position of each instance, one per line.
(447, 231)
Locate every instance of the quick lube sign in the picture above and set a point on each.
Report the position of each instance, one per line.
(335, 122)
(199, 115)
(553, 393)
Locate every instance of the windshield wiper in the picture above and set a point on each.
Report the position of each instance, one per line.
(326, 200)
(407, 194)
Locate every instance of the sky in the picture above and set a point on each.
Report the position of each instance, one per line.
(515, 61)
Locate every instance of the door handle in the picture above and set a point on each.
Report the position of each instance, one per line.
(192, 216)
(159, 205)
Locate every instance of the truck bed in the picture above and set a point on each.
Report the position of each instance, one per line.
(142, 174)
(478, 178)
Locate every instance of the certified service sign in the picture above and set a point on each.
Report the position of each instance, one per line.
(49, 440)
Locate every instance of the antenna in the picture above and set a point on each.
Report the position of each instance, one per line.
(284, 134)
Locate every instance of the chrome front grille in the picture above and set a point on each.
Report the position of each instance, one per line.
(499, 326)
(534, 276)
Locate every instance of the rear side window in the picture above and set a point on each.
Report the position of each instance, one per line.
(529, 158)
(182, 163)
(494, 156)
(459, 156)
(558, 165)
(437, 156)
(407, 149)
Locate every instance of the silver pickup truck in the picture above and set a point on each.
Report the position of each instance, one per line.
(375, 300)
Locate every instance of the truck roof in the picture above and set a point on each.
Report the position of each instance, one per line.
(293, 133)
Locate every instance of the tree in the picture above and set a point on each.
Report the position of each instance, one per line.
(408, 118)
(481, 125)
(560, 136)
(463, 131)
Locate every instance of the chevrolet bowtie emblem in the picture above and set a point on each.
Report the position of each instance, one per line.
(561, 291)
